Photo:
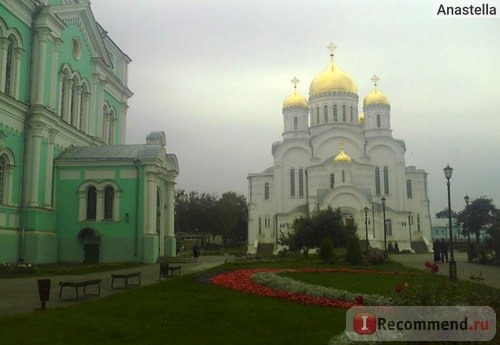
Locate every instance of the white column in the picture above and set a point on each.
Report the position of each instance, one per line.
(170, 209)
(100, 205)
(54, 82)
(76, 106)
(36, 143)
(84, 111)
(39, 83)
(3, 59)
(68, 99)
(123, 124)
(49, 168)
(150, 203)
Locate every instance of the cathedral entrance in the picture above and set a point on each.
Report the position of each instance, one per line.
(90, 241)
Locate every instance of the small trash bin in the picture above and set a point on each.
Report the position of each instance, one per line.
(43, 291)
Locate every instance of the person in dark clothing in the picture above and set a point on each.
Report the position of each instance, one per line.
(444, 250)
(196, 252)
(437, 252)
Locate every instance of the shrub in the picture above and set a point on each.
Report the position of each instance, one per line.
(353, 255)
(374, 256)
(326, 251)
(390, 247)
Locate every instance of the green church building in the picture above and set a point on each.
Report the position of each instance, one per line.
(71, 190)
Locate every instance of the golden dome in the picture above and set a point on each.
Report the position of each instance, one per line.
(342, 157)
(295, 99)
(332, 79)
(375, 97)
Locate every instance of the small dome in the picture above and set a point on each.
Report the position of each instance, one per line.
(375, 97)
(295, 99)
(332, 79)
(342, 157)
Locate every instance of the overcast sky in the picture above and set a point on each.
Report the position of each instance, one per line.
(213, 75)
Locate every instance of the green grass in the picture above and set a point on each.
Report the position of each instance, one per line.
(186, 311)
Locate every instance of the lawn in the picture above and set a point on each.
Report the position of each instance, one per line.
(187, 310)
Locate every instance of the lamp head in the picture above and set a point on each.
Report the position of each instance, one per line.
(366, 209)
(448, 171)
(383, 200)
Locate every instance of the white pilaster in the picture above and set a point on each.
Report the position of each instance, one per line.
(34, 157)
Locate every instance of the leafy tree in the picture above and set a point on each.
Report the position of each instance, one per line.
(479, 215)
(231, 217)
(444, 213)
(326, 250)
(494, 232)
(353, 255)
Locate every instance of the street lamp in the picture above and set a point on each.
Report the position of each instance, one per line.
(366, 226)
(453, 265)
(466, 223)
(385, 230)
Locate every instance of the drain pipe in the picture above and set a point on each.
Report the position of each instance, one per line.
(136, 231)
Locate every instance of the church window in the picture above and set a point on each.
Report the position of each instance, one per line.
(266, 191)
(3, 178)
(325, 113)
(378, 121)
(301, 183)
(409, 191)
(91, 203)
(418, 222)
(292, 182)
(317, 115)
(343, 176)
(9, 70)
(109, 195)
(386, 181)
(83, 107)
(63, 96)
(260, 226)
(267, 222)
(344, 114)
(72, 110)
(295, 123)
(352, 114)
(332, 180)
(335, 114)
(111, 127)
(388, 227)
(377, 181)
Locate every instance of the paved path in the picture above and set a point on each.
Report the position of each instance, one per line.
(20, 295)
(491, 274)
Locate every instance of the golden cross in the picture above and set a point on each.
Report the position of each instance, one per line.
(375, 80)
(295, 81)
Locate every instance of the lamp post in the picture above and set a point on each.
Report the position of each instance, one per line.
(385, 230)
(366, 226)
(466, 223)
(453, 265)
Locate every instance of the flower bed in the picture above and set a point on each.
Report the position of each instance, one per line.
(9, 270)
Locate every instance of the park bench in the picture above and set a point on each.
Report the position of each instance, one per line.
(169, 270)
(125, 278)
(77, 285)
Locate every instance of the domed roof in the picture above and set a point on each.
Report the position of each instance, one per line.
(342, 157)
(295, 99)
(332, 79)
(375, 97)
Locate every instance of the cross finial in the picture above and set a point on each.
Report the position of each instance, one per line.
(295, 81)
(375, 80)
(331, 47)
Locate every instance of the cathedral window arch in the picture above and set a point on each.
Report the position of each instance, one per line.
(111, 126)
(295, 123)
(344, 113)
(3, 178)
(343, 176)
(8, 66)
(10, 61)
(65, 91)
(74, 105)
(109, 196)
(6, 176)
(335, 114)
(99, 201)
(386, 180)
(388, 227)
(301, 183)
(377, 181)
(84, 106)
(352, 114)
(317, 115)
(409, 190)
(266, 191)
(332, 181)
(91, 203)
(379, 121)
(325, 113)
(292, 182)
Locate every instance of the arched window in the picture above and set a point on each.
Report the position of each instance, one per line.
(91, 203)
(62, 104)
(292, 182)
(352, 114)
(409, 190)
(343, 176)
(386, 181)
(325, 113)
(295, 123)
(9, 66)
(3, 179)
(105, 122)
(266, 191)
(378, 121)
(301, 183)
(83, 107)
(377, 181)
(332, 180)
(335, 114)
(344, 113)
(109, 196)
(72, 108)
(317, 115)
(111, 127)
(388, 227)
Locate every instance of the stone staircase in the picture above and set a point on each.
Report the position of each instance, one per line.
(419, 247)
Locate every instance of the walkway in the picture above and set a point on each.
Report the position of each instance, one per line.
(491, 274)
(20, 295)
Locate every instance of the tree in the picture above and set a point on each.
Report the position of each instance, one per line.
(232, 218)
(494, 232)
(444, 213)
(479, 215)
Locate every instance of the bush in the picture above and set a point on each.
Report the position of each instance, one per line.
(374, 256)
(9, 270)
(326, 251)
(353, 255)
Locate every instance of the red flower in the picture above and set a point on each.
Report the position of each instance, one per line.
(434, 268)
(428, 264)
(397, 288)
(360, 300)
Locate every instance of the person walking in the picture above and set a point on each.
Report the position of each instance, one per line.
(437, 253)
(444, 250)
(196, 252)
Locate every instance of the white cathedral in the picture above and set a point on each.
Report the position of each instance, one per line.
(330, 156)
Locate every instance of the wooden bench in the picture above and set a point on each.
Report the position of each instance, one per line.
(125, 278)
(168, 270)
(77, 285)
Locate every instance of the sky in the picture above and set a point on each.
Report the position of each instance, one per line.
(213, 76)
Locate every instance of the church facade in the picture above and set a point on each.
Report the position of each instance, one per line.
(333, 155)
(70, 188)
